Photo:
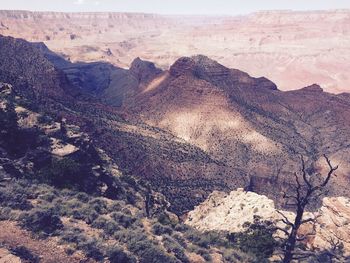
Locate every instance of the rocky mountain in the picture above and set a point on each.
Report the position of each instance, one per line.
(63, 199)
(247, 123)
(198, 126)
(159, 154)
(293, 49)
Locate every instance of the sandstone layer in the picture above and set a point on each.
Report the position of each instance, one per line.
(293, 49)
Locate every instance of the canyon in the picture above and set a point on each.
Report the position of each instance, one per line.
(293, 49)
(173, 132)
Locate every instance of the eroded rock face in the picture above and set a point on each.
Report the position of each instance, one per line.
(333, 223)
(228, 212)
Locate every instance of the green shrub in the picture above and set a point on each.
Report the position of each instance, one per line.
(15, 197)
(72, 236)
(257, 239)
(62, 173)
(180, 239)
(236, 256)
(117, 255)
(149, 252)
(200, 251)
(173, 246)
(90, 246)
(156, 255)
(182, 227)
(49, 197)
(99, 205)
(25, 254)
(165, 219)
(100, 222)
(159, 229)
(109, 226)
(83, 197)
(123, 219)
(116, 206)
(41, 221)
(198, 238)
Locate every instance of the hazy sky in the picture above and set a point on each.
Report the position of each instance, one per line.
(173, 6)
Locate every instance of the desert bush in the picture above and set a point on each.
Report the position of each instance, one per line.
(174, 247)
(115, 206)
(107, 225)
(48, 197)
(131, 236)
(180, 239)
(73, 235)
(236, 256)
(182, 227)
(62, 173)
(89, 246)
(123, 219)
(83, 197)
(25, 254)
(45, 119)
(41, 221)
(156, 255)
(99, 205)
(198, 238)
(149, 252)
(165, 219)
(200, 251)
(100, 222)
(15, 197)
(159, 229)
(257, 239)
(117, 255)
(7, 213)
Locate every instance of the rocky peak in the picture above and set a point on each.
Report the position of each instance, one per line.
(313, 88)
(210, 70)
(182, 66)
(144, 70)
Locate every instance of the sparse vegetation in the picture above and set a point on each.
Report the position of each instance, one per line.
(257, 239)
(25, 254)
(41, 221)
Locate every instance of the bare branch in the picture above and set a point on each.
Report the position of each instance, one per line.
(303, 170)
(283, 230)
(285, 219)
(331, 171)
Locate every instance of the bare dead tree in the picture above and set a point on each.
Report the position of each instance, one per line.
(307, 187)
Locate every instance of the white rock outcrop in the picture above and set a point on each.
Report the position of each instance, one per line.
(229, 211)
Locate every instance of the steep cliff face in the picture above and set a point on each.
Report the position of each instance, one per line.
(26, 67)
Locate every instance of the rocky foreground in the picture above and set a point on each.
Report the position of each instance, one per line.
(229, 211)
